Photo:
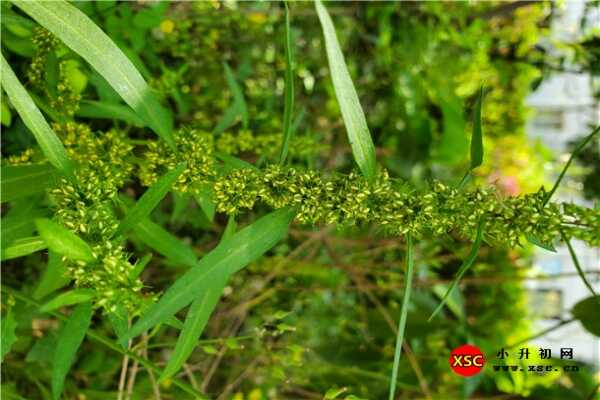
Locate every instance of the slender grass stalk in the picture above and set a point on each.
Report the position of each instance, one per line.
(289, 89)
(403, 314)
(576, 262)
(581, 145)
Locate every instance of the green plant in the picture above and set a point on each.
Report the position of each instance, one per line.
(94, 221)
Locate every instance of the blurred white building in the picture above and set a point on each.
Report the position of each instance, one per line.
(564, 110)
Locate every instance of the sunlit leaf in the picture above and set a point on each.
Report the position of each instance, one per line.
(23, 247)
(63, 241)
(289, 89)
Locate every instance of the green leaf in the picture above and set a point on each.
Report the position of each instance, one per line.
(238, 95)
(24, 180)
(70, 338)
(79, 32)
(194, 324)
(230, 228)
(229, 256)
(19, 222)
(63, 241)
(289, 89)
(477, 136)
(403, 314)
(35, 122)
(227, 119)
(68, 298)
(334, 393)
(463, 268)
(204, 198)
(23, 247)
(54, 277)
(536, 241)
(566, 167)
(352, 113)
(104, 110)
(576, 263)
(118, 321)
(159, 239)
(586, 311)
(9, 337)
(232, 162)
(149, 200)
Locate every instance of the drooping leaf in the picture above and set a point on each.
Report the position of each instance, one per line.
(536, 241)
(289, 89)
(579, 147)
(63, 241)
(70, 338)
(23, 180)
(586, 311)
(54, 277)
(477, 135)
(194, 324)
(403, 314)
(35, 122)
(69, 298)
(9, 336)
(162, 241)
(149, 200)
(463, 268)
(105, 110)
(228, 257)
(576, 263)
(79, 32)
(352, 112)
(23, 247)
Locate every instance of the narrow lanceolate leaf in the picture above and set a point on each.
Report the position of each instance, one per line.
(70, 338)
(54, 277)
(229, 256)
(289, 89)
(23, 180)
(162, 241)
(80, 33)
(477, 135)
(68, 298)
(581, 145)
(352, 112)
(34, 120)
(463, 268)
(238, 94)
(106, 110)
(150, 199)
(23, 247)
(403, 314)
(63, 241)
(8, 336)
(576, 263)
(194, 324)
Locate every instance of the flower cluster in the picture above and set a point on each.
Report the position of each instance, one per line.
(266, 144)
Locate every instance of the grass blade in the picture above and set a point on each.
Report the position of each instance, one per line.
(162, 241)
(352, 112)
(35, 122)
(8, 336)
(289, 89)
(23, 180)
(228, 257)
(149, 200)
(576, 263)
(63, 241)
(23, 247)
(463, 268)
(68, 298)
(477, 135)
(566, 167)
(403, 314)
(54, 276)
(79, 32)
(70, 338)
(104, 110)
(536, 241)
(194, 324)
(204, 198)
(227, 119)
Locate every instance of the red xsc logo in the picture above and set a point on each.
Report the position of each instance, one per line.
(466, 360)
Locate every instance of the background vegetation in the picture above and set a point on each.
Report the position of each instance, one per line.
(316, 308)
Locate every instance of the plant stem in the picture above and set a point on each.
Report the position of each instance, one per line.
(403, 314)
